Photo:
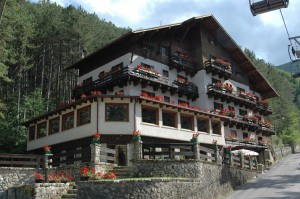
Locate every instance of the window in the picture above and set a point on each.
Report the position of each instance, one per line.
(181, 77)
(216, 127)
(149, 93)
(150, 115)
(31, 133)
(203, 125)
(167, 99)
(117, 67)
(84, 116)
(214, 81)
(165, 73)
(42, 130)
(53, 126)
(187, 121)
(68, 121)
(164, 51)
(233, 133)
(245, 135)
(147, 66)
(242, 112)
(218, 106)
(231, 108)
(169, 118)
(259, 138)
(116, 112)
(88, 80)
(239, 90)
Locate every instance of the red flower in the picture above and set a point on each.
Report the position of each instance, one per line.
(84, 170)
(97, 135)
(47, 148)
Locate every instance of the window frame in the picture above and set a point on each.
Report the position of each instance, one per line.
(50, 125)
(156, 113)
(219, 129)
(172, 112)
(78, 114)
(29, 132)
(207, 124)
(192, 121)
(63, 120)
(39, 128)
(117, 104)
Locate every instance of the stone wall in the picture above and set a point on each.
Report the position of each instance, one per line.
(14, 176)
(282, 152)
(195, 179)
(38, 191)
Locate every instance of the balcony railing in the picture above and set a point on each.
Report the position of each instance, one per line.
(251, 125)
(243, 99)
(122, 76)
(218, 67)
(189, 89)
(228, 95)
(183, 62)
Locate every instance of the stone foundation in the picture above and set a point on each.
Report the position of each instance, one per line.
(195, 179)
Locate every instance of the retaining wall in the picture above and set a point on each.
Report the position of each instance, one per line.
(195, 179)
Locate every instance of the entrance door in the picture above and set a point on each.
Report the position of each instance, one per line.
(121, 155)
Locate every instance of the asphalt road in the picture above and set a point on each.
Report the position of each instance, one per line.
(282, 181)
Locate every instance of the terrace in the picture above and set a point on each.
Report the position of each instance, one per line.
(137, 75)
(183, 62)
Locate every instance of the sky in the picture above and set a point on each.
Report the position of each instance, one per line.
(264, 34)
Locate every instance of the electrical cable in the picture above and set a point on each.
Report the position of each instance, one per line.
(285, 27)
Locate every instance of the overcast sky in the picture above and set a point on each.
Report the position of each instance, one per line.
(264, 34)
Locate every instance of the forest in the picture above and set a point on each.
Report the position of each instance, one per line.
(39, 40)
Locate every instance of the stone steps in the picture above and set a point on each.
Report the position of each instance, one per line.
(72, 193)
(122, 172)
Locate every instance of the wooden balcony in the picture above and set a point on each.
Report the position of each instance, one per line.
(188, 89)
(252, 126)
(263, 109)
(217, 68)
(128, 75)
(217, 92)
(184, 63)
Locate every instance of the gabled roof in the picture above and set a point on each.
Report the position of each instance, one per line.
(259, 83)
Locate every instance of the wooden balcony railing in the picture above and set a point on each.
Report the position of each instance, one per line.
(217, 92)
(251, 125)
(122, 76)
(183, 62)
(223, 69)
(241, 99)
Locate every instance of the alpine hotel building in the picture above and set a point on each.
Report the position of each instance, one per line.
(168, 82)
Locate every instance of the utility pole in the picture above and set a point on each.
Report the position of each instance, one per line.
(2, 5)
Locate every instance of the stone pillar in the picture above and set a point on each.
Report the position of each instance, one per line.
(197, 150)
(130, 153)
(217, 155)
(47, 160)
(95, 153)
(137, 149)
(231, 161)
